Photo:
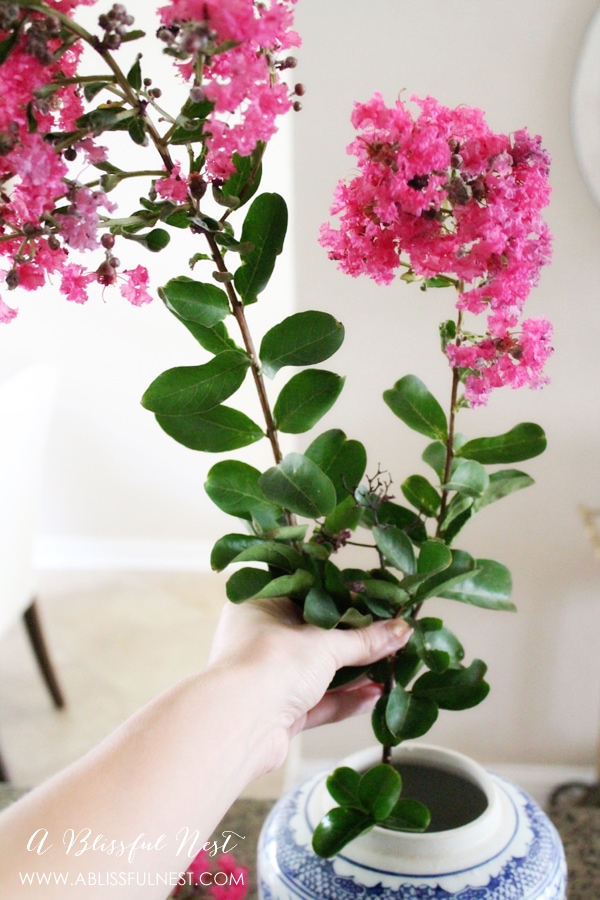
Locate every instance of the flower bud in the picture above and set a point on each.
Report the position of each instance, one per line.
(106, 273)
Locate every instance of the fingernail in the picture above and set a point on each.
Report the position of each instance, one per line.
(400, 628)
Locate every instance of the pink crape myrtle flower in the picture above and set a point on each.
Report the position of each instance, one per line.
(439, 194)
(173, 186)
(514, 359)
(34, 176)
(243, 83)
(75, 281)
(201, 872)
(135, 288)
(7, 313)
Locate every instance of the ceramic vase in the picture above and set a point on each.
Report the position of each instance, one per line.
(492, 841)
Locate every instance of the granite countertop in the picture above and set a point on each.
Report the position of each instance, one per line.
(577, 822)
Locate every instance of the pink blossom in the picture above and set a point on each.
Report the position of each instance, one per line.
(135, 288)
(237, 888)
(79, 224)
(74, 282)
(173, 186)
(438, 193)
(243, 83)
(7, 313)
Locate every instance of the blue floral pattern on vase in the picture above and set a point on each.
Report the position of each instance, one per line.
(289, 869)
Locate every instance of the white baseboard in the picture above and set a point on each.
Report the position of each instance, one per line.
(99, 554)
(537, 780)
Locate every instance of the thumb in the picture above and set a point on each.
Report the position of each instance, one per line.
(362, 646)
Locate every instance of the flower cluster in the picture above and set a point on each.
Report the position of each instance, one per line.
(449, 201)
(220, 879)
(242, 84)
(229, 55)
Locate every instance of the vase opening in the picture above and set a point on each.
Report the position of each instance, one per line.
(452, 799)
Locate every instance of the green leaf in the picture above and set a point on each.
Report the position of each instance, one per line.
(244, 182)
(434, 557)
(524, 441)
(457, 507)
(193, 389)
(345, 517)
(253, 584)
(213, 431)
(503, 483)
(215, 339)
(489, 587)
(435, 456)
(195, 301)
(343, 461)
(275, 554)
(392, 596)
(396, 547)
(468, 477)
(245, 583)
(421, 494)
(436, 645)
(337, 828)
(7, 45)
(343, 784)
(410, 400)
(91, 89)
(305, 399)
(403, 518)
(228, 547)
(302, 339)
(408, 815)
(233, 487)
(355, 619)
(462, 565)
(408, 716)
(320, 609)
(379, 791)
(264, 227)
(300, 486)
(299, 583)
(455, 688)
(134, 76)
(287, 533)
(137, 131)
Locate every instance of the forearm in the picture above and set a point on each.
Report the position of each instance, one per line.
(169, 772)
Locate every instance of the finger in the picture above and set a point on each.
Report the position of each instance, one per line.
(362, 646)
(337, 706)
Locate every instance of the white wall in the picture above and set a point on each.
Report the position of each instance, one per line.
(515, 60)
(115, 481)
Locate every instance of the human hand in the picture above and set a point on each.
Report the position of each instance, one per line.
(297, 661)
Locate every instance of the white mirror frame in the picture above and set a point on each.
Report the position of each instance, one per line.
(585, 108)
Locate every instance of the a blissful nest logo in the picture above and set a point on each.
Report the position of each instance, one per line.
(187, 845)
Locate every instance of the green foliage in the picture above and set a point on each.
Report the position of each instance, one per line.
(521, 442)
(264, 230)
(366, 800)
(195, 301)
(302, 339)
(300, 486)
(305, 399)
(343, 461)
(215, 430)
(412, 402)
(194, 389)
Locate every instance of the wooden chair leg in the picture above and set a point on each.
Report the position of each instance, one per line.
(3, 772)
(34, 630)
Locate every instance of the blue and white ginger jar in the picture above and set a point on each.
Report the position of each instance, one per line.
(511, 851)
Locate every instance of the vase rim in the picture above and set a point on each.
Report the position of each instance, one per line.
(494, 826)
